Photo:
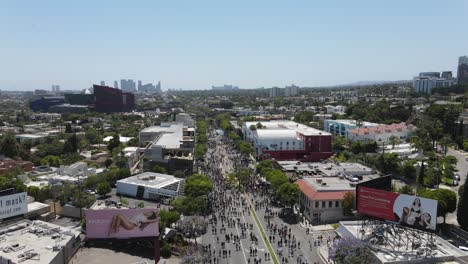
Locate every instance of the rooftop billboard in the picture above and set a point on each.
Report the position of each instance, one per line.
(412, 211)
(122, 223)
(13, 205)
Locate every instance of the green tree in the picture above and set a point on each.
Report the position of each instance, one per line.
(92, 136)
(264, 166)
(444, 142)
(246, 148)
(289, 194)
(394, 140)
(68, 128)
(276, 179)
(159, 169)
(91, 181)
(179, 174)
(103, 188)
(114, 142)
(406, 189)
(108, 162)
(167, 218)
(348, 203)
(190, 205)
(198, 185)
(421, 174)
(338, 143)
(9, 147)
(51, 160)
(446, 200)
(408, 170)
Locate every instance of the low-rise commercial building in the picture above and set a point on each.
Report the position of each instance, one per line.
(37, 242)
(297, 170)
(341, 127)
(322, 197)
(32, 138)
(171, 146)
(339, 109)
(383, 133)
(150, 185)
(287, 140)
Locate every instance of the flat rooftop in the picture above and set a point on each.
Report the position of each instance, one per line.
(170, 134)
(329, 169)
(287, 125)
(151, 180)
(335, 184)
(351, 122)
(36, 236)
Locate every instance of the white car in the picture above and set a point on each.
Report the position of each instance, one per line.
(354, 179)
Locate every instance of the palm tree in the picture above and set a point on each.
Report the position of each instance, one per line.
(394, 140)
(416, 143)
(444, 142)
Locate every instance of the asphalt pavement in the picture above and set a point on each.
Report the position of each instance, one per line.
(252, 246)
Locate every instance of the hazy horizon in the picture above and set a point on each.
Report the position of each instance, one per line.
(250, 44)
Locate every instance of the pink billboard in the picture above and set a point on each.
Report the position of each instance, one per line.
(122, 223)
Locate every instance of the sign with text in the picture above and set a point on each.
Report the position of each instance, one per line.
(122, 223)
(13, 205)
(413, 211)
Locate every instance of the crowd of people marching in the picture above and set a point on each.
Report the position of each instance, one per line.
(230, 208)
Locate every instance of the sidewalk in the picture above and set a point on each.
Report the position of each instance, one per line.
(316, 228)
(323, 252)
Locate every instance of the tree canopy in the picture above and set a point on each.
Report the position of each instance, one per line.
(198, 185)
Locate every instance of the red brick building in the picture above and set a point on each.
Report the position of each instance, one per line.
(9, 165)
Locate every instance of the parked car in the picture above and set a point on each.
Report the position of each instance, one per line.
(457, 177)
(455, 183)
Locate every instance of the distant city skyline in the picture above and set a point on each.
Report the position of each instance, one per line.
(250, 44)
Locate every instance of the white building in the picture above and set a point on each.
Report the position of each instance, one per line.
(341, 127)
(150, 185)
(131, 154)
(382, 133)
(292, 90)
(185, 119)
(168, 139)
(425, 84)
(121, 138)
(275, 92)
(41, 241)
(287, 140)
(339, 109)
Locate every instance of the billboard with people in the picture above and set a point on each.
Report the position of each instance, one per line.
(413, 211)
(122, 223)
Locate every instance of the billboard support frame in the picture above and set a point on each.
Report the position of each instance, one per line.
(411, 238)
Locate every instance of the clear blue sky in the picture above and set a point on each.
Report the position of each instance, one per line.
(196, 44)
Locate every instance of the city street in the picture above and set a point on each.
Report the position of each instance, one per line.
(234, 236)
(462, 167)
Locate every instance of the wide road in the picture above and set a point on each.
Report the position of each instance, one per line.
(223, 158)
(462, 167)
